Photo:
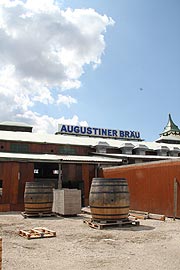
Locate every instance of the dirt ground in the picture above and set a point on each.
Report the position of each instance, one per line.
(152, 245)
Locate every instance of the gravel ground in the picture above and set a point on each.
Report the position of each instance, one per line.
(152, 245)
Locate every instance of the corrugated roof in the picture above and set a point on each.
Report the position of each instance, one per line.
(142, 164)
(58, 158)
(169, 137)
(75, 140)
(150, 157)
(16, 124)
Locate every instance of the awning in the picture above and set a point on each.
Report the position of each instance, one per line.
(4, 156)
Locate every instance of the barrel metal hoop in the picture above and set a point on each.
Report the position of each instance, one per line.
(109, 185)
(32, 193)
(109, 179)
(112, 192)
(38, 203)
(109, 207)
(109, 215)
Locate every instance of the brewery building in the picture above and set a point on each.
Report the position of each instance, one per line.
(72, 156)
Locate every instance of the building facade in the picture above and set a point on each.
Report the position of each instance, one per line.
(71, 157)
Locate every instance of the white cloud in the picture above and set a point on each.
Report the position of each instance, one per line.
(42, 48)
(44, 123)
(67, 100)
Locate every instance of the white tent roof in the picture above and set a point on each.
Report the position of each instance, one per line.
(58, 158)
(18, 124)
(77, 140)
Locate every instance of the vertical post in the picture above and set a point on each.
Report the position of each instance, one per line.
(97, 169)
(60, 177)
(86, 179)
(175, 199)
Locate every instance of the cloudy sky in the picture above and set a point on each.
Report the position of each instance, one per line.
(110, 64)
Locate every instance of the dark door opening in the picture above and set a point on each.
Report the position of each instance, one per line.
(47, 172)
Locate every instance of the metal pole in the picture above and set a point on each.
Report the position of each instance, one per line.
(97, 170)
(60, 177)
(175, 199)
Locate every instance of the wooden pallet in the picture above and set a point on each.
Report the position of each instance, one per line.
(37, 233)
(105, 223)
(146, 215)
(26, 215)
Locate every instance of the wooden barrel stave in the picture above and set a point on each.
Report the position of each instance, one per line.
(0, 253)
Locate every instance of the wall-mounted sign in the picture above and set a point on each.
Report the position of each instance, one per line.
(99, 132)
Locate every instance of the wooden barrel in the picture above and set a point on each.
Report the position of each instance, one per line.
(38, 197)
(0, 253)
(109, 199)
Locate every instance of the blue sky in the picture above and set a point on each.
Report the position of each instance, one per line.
(135, 86)
(142, 51)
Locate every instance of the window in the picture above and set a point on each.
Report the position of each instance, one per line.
(55, 171)
(19, 148)
(66, 150)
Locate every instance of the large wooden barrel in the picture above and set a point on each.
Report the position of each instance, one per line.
(0, 253)
(38, 197)
(109, 199)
